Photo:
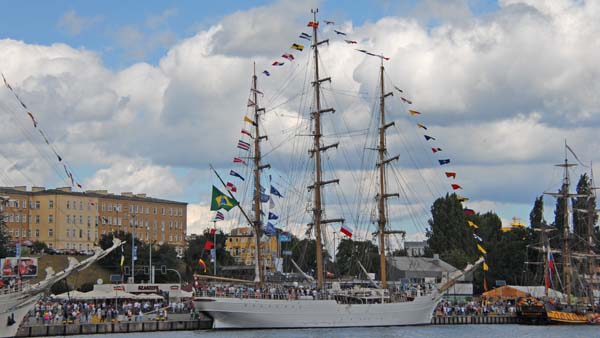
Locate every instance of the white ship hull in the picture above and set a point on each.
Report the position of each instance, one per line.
(16, 309)
(236, 313)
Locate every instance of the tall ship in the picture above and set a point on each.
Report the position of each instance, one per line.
(326, 304)
(16, 302)
(570, 280)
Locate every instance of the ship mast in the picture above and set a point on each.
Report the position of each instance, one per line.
(565, 195)
(590, 233)
(318, 220)
(257, 223)
(382, 196)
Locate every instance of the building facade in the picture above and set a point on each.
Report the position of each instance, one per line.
(241, 246)
(65, 219)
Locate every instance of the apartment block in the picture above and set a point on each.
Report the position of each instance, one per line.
(65, 219)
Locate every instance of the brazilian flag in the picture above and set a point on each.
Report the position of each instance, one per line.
(221, 201)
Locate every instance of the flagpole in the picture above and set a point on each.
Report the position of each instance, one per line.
(230, 194)
(215, 246)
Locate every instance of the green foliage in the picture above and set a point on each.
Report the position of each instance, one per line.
(60, 287)
(161, 255)
(195, 251)
(582, 219)
(349, 252)
(449, 234)
(38, 247)
(86, 287)
(4, 238)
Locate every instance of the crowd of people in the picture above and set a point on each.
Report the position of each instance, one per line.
(448, 308)
(49, 311)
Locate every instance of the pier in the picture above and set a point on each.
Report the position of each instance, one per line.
(115, 327)
(463, 320)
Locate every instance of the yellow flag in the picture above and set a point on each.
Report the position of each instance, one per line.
(473, 225)
(485, 266)
(247, 119)
(481, 249)
(414, 112)
(461, 198)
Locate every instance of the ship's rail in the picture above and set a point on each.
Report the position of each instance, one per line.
(16, 288)
(363, 295)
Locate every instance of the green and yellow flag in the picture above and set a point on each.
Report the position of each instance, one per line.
(221, 201)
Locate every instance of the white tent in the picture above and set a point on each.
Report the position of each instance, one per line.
(149, 296)
(115, 294)
(69, 295)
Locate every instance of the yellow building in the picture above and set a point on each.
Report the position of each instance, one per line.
(516, 224)
(65, 220)
(241, 245)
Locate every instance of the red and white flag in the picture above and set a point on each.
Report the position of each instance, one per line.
(346, 230)
(288, 56)
(231, 187)
(239, 160)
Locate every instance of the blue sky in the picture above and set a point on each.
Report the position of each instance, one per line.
(138, 90)
(103, 21)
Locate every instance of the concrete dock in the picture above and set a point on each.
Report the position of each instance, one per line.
(116, 327)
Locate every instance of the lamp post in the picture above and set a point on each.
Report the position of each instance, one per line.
(131, 219)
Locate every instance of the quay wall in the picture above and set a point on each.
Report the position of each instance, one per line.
(104, 328)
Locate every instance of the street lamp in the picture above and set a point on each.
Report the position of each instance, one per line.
(132, 248)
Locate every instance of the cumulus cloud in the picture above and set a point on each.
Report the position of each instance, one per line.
(138, 176)
(500, 93)
(74, 24)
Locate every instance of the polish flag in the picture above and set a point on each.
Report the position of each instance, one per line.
(346, 230)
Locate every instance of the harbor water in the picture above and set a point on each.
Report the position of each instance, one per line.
(449, 331)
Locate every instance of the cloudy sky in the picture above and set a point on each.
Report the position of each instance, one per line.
(143, 96)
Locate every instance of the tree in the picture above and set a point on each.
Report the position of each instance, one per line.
(449, 234)
(559, 220)
(349, 252)
(583, 213)
(196, 251)
(4, 238)
(38, 247)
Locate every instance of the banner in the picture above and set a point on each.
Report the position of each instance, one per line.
(13, 267)
(285, 237)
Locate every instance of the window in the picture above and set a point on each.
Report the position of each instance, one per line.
(50, 204)
(89, 234)
(37, 232)
(68, 219)
(16, 204)
(17, 218)
(50, 218)
(109, 206)
(103, 206)
(37, 219)
(162, 211)
(162, 223)
(50, 232)
(96, 234)
(80, 219)
(37, 204)
(11, 218)
(170, 224)
(147, 210)
(170, 238)
(170, 211)
(24, 204)
(68, 233)
(154, 210)
(80, 233)
(68, 204)
(89, 220)
(80, 205)
(16, 233)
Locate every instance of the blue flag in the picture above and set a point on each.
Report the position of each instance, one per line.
(264, 198)
(270, 229)
(233, 173)
(275, 192)
(442, 162)
(273, 216)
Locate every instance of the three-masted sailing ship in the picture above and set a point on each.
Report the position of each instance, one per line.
(328, 305)
(565, 307)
